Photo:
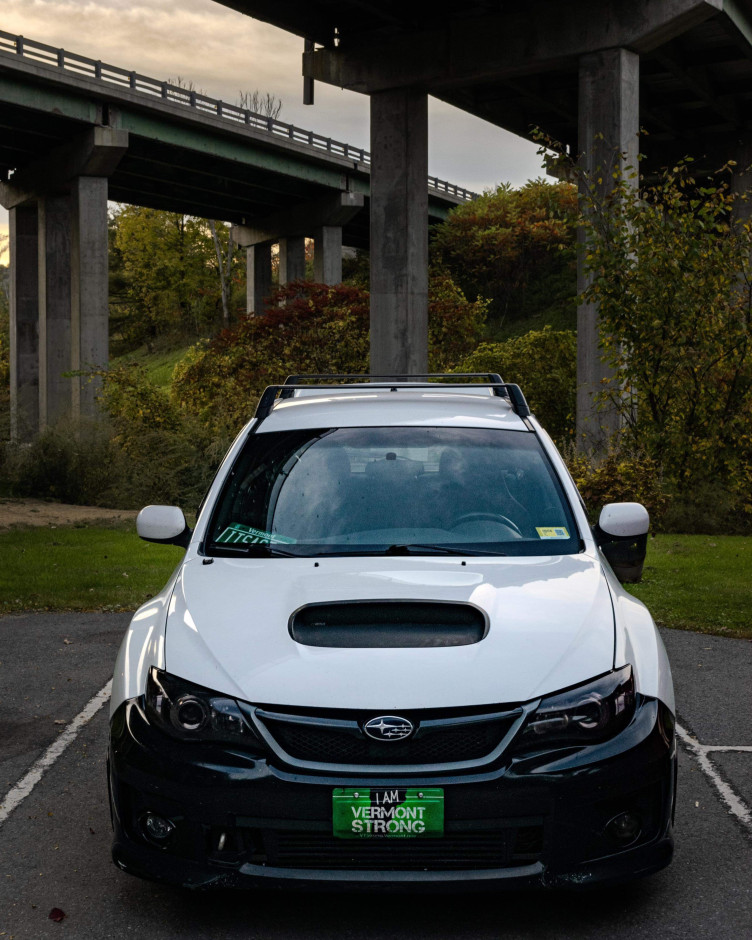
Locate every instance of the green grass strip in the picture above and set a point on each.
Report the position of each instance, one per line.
(81, 568)
(699, 582)
(691, 582)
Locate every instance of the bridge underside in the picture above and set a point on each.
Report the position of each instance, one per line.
(69, 142)
(589, 74)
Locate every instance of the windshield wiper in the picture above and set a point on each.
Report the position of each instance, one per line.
(255, 550)
(415, 548)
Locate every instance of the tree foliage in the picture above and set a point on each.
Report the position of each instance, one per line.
(516, 248)
(309, 328)
(670, 269)
(165, 275)
(544, 364)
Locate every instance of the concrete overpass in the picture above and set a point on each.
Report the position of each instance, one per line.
(75, 132)
(590, 73)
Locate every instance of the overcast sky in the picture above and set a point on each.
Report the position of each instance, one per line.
(223, 52)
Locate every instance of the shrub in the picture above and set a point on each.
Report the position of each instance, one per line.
(617, 478)
(515, 248)
(544, 364)
(310, 328)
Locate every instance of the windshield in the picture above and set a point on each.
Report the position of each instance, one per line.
(392, 490)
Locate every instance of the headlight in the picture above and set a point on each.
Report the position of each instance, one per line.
(587, 714)
(193, 713)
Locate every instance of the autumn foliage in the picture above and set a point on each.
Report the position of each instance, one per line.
(309, 328)
(516, 248)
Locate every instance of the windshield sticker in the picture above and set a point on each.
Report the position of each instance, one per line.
(552, 532)
(237, 534)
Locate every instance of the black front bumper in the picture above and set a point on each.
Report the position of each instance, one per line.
(539, 821)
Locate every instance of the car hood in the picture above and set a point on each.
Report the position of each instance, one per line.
(551, 625)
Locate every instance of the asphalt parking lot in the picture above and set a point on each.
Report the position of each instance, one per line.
(55, 829)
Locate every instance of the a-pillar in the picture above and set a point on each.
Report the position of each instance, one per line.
(608, 144)
(55, 390)
(258, 277)
(24, 323)
(291, 260)
(327, 255)
(399, 232)
(89, 319)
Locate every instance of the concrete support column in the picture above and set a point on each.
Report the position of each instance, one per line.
(608, 140)
(89, 288)
(399, 232)
(741, 151)
(258, 277)
(55, 391)
(291, 260)
(24, 323)
(327, 255)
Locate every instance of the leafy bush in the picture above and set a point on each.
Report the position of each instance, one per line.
(144, 451)
(310, 328)
(544, 364)
(619, 478)
(515, 248)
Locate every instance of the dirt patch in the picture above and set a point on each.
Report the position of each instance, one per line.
(36, 512)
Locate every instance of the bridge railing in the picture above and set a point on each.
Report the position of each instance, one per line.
(188, 97)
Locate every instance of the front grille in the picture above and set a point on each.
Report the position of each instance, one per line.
(441, 738)
(439, 746)
(455, 851)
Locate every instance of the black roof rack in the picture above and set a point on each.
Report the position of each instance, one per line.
(393, 382)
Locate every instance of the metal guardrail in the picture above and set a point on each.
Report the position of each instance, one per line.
(153, 88)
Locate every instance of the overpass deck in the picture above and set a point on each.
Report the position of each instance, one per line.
(187, 152)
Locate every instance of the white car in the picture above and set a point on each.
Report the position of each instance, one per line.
(395, 653)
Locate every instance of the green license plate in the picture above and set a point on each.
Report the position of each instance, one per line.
(388, 812)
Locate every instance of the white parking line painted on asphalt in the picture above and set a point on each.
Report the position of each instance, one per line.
(31, 778)
(728, 795)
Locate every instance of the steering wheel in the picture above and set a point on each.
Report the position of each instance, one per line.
(487, 517)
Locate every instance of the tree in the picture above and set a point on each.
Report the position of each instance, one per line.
(544, 364)
(669, 265)
(166, 277)
(312, 328)
(515, 248)
(260, 102)
(224, 264)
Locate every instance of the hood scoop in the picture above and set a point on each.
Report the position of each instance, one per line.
(388, 625)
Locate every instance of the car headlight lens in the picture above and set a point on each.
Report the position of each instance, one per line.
(587, 714)
(192, 713)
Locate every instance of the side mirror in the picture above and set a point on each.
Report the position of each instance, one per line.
(164, 524)
(622, 534)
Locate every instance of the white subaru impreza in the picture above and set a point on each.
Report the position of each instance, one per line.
(394, 653)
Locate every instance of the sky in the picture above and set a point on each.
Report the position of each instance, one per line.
(223, 52)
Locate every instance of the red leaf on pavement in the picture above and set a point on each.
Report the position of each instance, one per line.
(56, 914)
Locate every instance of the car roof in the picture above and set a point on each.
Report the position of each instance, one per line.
(359, 406)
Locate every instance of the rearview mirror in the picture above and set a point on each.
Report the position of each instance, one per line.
(622, 534)
(163, 524)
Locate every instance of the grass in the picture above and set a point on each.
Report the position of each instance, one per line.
(699, 582)
(691, 582)
(159, 364)
(81, 568)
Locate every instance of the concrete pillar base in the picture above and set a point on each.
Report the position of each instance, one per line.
(327, 255)
(399, 232)
(258, 277)
(291, 260)
(89, 289)
(55, 390)
(608, 141)
(24, 323)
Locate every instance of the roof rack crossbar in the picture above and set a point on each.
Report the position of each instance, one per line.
(508, 390)
(348, 377)
(330, 376)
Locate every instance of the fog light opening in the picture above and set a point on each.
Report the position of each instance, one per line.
(625, 828)
(157, 828)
